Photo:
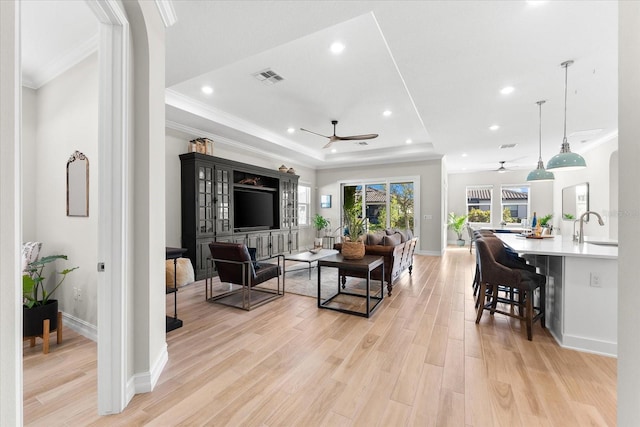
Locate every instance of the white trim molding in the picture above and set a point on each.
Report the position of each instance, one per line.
(80, 326)
(167, 12)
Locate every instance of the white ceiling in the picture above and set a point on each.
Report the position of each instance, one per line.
(437, 65)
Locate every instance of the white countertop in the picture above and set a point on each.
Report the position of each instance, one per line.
(557, 245)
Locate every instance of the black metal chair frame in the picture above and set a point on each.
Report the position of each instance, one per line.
(247, 291)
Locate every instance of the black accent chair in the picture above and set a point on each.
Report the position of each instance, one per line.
(243, 274)
(519, 284)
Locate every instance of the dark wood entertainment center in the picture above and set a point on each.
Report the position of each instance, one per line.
(210, 186)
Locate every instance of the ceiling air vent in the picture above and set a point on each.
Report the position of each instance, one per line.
(268, 76)
(508, 145)
(362, 143)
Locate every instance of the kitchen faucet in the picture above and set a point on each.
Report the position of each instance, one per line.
(581, 238)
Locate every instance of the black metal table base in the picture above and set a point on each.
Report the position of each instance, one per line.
(173, 323)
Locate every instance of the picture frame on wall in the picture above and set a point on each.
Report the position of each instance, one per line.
(325, 201)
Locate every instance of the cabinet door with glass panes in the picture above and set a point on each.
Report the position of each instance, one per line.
(289, 208)
(222, 201)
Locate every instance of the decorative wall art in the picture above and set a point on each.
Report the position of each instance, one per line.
(325, 201)
(78, 185)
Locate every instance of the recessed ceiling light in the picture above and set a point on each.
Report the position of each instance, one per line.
(408, 141)
(464, 154)
(337, 47)
(333, 150)
(535, 3)
(386, 113)
(291, 130)
(494, 127)
(507, 90)
(207, 90)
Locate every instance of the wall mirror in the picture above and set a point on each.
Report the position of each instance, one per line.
(575, 201)
(78, 185)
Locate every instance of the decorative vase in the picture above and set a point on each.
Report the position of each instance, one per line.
(460, 242)
(283, 169)
(34, 316)
(317, 242)
(353, 250)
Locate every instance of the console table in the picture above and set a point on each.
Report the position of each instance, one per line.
(174, 254)
(367, 265)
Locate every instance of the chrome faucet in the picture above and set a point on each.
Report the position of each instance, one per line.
(600, 221)
(575, 235)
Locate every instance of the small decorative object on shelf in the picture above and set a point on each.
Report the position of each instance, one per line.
(291, 171)
(283, 168)
(251, 181)
(202, 146)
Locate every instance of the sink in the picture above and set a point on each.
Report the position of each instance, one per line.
(615, 244)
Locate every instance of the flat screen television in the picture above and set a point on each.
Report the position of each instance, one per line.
(253, 210)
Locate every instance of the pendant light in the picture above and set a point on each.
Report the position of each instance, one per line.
(566, 160)
(539, 173)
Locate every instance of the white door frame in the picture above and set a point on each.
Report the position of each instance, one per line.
(112, 222)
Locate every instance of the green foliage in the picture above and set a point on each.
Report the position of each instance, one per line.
(32, 281)
(568, 216)
(456, 223)
(320, 223)
(545, 220)
(478, 215)
(354, 226)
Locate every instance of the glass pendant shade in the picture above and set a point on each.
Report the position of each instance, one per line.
(539, 173)
(566, 160)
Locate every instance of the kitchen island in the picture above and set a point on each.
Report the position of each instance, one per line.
(582, 289)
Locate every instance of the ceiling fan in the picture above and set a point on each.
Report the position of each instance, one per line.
(333, 138)
(502, 169)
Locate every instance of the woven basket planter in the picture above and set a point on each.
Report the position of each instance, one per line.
(353, 250)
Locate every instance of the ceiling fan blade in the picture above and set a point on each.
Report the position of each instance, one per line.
(315, 133)
(329, 143)
(357, 137)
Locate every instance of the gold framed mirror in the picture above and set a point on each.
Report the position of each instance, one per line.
(78, 185)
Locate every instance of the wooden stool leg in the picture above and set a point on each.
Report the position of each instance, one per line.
(45, 336)
(32, 342)
(59, 330)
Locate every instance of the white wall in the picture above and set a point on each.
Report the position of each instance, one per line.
(67, 120)
(628, 394)
(598, 175)
(177, 143)
(540, 196)
(29, 166)
(431, 188)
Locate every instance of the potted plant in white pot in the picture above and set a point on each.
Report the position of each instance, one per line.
(456, 223)
(37, 302)
(319, 223)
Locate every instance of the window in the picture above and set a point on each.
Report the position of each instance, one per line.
(304, 202)
(514, 203)
(479, 203)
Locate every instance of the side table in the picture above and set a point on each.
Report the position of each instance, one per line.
(174, 254)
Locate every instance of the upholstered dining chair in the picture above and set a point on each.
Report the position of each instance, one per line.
(243, 274)
(493, 275)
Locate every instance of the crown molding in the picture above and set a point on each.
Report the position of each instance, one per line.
(167, 12)
(61, 64)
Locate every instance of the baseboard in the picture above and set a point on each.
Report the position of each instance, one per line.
(145, 382)
(589, 345)
(430, 253)
(80, 326)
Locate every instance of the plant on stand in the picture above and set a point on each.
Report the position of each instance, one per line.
(319, 223)
(37, 302)
(457, 223)
(353, 245)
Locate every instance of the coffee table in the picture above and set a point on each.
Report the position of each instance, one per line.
(367, 264)
(310, 257)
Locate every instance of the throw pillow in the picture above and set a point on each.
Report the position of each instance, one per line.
(185, 274)
(374, 238)
(392, 240)
(252, 254)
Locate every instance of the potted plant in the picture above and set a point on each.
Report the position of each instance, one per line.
(456, 223)
(544, 221)
(37, 302)
(319, 223)
(354, 230)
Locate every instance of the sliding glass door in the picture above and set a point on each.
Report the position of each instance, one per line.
(384, 203)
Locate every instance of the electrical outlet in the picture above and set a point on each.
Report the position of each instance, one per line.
(79, 294)
(75, 294)
(428, 217)
(595, 280)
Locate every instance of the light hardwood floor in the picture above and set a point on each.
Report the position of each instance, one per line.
(419, 361)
